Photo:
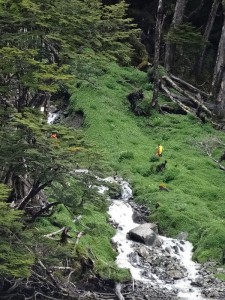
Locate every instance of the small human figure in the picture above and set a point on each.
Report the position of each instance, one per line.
(54, 136)
(159, 150)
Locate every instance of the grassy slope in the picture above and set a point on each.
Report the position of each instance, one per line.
(195, 202)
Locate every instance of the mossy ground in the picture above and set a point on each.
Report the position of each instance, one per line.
(195, 201)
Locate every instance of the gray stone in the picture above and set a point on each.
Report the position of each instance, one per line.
(146, 234)
(182, 236)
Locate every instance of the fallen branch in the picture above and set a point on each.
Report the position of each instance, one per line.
(44, 209)
(169, 94)
(190, 86)
(185, 93)
(54, 281)
(118, 292)
(49, 235)
(61, 268)
(54, 233)
(78, 238)
(208, 149)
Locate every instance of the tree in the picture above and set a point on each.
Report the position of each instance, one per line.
(158, 30)
(177, 20)
(16, 260)
(39, 40)
(206, 34)
(218, 83)
(30, 160)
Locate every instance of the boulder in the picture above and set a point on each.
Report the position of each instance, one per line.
(138, 218)
(146, 234)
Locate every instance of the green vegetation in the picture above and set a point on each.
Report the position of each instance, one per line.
(195, 201)
(54, 224)
(15, 259)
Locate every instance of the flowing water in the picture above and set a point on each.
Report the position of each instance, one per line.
(121, 213)
(51, 117)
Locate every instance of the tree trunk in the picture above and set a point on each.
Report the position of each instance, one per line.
(177, 20)
(206, 34)
(158, 30)
(35, 189)
(218, 84)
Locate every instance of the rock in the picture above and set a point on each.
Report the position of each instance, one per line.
(138, 218)
(182, 236)
(145, 234)
(175, 274)
(143, 252)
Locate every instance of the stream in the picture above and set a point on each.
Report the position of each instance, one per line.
(162, 272)
(179, 252)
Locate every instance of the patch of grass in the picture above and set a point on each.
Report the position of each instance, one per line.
(194, 202)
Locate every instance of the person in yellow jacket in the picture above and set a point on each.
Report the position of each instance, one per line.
(159, 150)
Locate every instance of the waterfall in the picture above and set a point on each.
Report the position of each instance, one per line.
(52, 116)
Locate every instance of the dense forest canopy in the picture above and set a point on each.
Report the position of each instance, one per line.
(48, 50)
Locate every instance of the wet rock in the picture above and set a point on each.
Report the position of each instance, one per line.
(144, 252)
(175, 274)
(182, 236)
(145, 233)
(138, 218)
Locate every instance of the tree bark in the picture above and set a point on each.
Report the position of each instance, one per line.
(158, 30)
(177, 20)
(218, 84)
(206, 34)
(35, 189)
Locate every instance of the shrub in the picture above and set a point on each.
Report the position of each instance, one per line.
(169, 175)
(154, 158)
(126, 155)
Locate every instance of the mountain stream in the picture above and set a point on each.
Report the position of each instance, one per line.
(177, 251)
(168, 270)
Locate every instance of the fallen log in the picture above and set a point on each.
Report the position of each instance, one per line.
(172, 110)
(187, 94)
(118, 292)
(189, 86)
(181, 105)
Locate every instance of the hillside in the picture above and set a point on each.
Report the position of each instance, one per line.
(194, 203)
(83, 62)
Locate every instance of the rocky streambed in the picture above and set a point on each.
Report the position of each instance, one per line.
(161, 267)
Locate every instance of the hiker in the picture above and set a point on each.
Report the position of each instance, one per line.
(54, 136)
(161, 167)
(159, 150)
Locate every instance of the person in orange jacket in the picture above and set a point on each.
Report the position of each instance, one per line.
(54, 136)
(159, 150)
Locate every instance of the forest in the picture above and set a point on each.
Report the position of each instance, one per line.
(123, 76)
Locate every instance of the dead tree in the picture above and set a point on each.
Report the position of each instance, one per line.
(189, 95)
(206, 34)
(158, 30)
(218, 84)
(208, 147)
(177, 20)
